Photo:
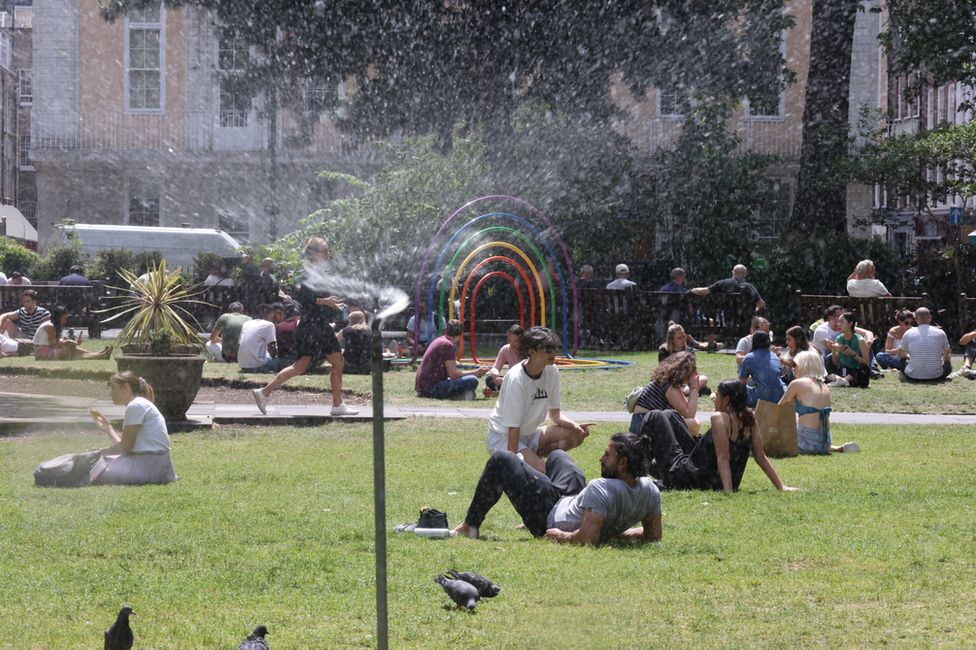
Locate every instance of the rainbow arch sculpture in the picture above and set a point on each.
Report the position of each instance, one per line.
(491, 238)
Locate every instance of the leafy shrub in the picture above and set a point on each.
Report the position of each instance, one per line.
(14, 257)
(58, 261)
(109, 262)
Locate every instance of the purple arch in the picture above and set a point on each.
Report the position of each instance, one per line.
(499, 197)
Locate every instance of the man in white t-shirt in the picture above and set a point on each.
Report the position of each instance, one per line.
(258, 346)
(623, 280)
(862, 283)
(556, 504)
(530, 392)
(927, 349)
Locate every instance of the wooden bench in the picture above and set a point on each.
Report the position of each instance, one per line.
(873, 314)
(82, 302)
(638, 320)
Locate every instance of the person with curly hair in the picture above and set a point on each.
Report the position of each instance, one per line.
(713, 461)
(666, 391)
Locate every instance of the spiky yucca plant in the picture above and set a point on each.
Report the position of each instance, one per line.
(156, 305)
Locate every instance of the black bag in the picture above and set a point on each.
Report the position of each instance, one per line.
(69, 470)
(431, 518)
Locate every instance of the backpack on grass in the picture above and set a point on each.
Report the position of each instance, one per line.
(69, 470)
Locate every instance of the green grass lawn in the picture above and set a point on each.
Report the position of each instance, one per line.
(274, 526)
(597, 390)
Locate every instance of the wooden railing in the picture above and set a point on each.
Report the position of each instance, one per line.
(82, 302)
(638, 320)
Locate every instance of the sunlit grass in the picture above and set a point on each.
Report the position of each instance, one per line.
(597, 390)
(274, 526)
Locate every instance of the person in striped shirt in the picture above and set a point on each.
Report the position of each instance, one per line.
(927, 349)
(23, 323)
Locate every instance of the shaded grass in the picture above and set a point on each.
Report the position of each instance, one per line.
(274, 526)
(595, 390)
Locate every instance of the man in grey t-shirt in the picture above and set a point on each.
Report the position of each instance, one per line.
(556, 504)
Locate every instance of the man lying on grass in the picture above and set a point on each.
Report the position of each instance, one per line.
(556, 504)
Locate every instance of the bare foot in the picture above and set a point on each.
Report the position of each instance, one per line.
(464, 530)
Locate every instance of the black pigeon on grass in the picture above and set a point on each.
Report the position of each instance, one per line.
(255, 640)
(119, 636)
(462, 593)
(486, 588)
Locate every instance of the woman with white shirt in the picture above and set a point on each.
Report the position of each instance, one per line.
(140, 455)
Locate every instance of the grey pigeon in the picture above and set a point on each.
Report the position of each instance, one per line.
(461, 592)
(486, 588)
(255, 641)
(119, 636)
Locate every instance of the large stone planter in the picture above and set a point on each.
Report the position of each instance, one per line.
(175, 379)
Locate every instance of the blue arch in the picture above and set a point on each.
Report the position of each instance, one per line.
(535, 231)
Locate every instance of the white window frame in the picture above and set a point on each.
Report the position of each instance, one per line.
(28, 75)
(6, 50)
(237, 118)
(677, 100)
(133, 25)
(143, 196)
(780, 115)
(25, 163)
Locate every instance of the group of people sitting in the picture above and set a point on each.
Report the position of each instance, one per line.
(529, 462)
(45, 330)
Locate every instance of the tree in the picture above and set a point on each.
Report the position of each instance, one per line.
(707, 196)
(383, 231)
(926, 168)
(821, 192)
(935, 39)
(425, 67)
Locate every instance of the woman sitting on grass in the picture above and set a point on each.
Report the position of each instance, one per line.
(666, 391)
(796, 342)
(140, 455)
(679, 341)
(812, 404)
(716, 460)
(508, 355)
(357, 343)
(49, 346)
(851, 354)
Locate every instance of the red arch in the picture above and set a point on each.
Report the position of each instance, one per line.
(518, 267)
(474, 299)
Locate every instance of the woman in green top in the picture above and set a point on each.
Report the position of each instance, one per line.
(851, 354)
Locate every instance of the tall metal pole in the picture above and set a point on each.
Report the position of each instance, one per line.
(379, 488)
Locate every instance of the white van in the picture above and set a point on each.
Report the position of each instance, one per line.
(178, 246)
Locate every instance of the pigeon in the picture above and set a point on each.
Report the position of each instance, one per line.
(486, 588)
(461, 592)
(255, 641)
(119, 636)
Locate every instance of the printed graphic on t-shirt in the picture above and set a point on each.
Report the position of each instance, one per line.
(540, 393)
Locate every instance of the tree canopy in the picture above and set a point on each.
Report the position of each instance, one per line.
(934, 38)
(424, 67)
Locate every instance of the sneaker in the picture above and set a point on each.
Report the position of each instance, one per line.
(469, 395)
(968, 373)
(489, 393)
(840, 382)
(343, 409)
(404, 528)
(850, 447)
(261, 400)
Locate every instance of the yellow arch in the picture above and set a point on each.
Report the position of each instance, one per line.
(517, 251)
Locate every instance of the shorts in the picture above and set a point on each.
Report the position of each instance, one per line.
(812, 440)
(317, 343)
(498, 442)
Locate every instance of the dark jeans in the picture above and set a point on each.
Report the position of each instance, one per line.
(946, 369)
(532, 493)
(888, 360)
(671, 446)
(447, 387)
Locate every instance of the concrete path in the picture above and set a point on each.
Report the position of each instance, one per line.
(20, 410)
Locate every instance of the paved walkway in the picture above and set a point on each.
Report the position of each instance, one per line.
(19, 410)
